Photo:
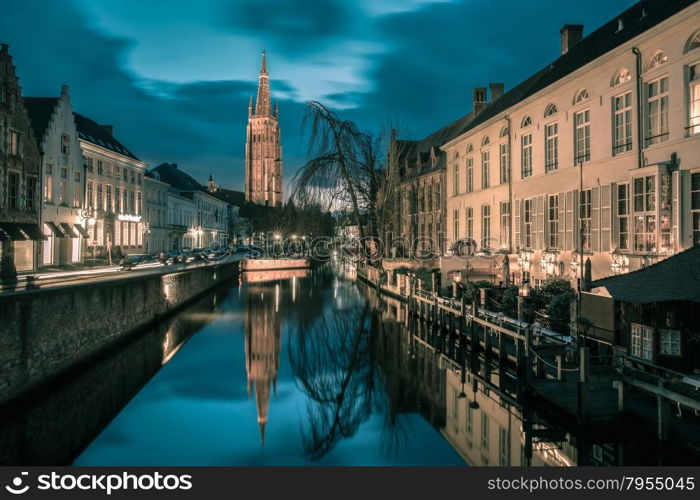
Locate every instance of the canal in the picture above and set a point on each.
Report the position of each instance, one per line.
(293, 368)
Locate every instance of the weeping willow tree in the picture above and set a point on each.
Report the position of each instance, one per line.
(346, 170)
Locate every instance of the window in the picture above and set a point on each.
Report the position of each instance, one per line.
(133, 177)
(65, 144)
(622, 123)
(645, 214)
(76, 189)
(582, 136)
(14, 143)
(132, 203)
(89, 162)
(126, 174)
(138, 203)
(695, 206)
(485, 225)
(621, 77)
(456, 225)
(31, 193)
(693, 42)
(551, 143)
(642, 338)
(63, 191)
(694, 99)
(504, 162)
(109, 198)
(48, 183)
(670, 342)
(623, 230)
(527, 223)
(484, 169)
(657, 111)
(550, 110)
(125, 201)
(100, 167)
(470, 222)
(657, 60)
(455, 180)
(117, 200)
(90, 195)
(13, 190)
(581, 96)
(470, 174)
(484, 432)
(485, 141)
(585, 217)
(505, 224)
(553, 221)
(526, 156)
(138, 179)
(503, 447)
(100, 199)
(527, 121)
(470, 420)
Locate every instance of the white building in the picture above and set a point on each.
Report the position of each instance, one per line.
(63, 179)
(599, 152)
(114, 191)
(182, 214)
(156, 214)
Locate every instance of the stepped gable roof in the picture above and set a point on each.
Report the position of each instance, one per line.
(40, 111)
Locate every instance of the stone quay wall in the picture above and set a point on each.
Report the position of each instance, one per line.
(46, 332)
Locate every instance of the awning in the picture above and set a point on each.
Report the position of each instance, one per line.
(68, 230)
(32, 230)
(13, 231)
(82, 231)
(55, 230)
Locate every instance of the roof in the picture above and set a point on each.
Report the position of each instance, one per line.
(178, 179)
(229, 196)
(676, 278)
(40, 111)
(100, 135)
(636, 20)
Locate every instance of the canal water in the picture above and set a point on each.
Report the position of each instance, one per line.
(285, 369)
(302, 368)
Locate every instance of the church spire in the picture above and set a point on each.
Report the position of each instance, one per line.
(262, 106)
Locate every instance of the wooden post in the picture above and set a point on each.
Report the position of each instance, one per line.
(560, 373)
(583, 396)
(662, 415)
(620, 395)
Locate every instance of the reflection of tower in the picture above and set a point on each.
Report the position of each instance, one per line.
(262, 346)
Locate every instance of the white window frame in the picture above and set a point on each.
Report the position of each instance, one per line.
(642, 341)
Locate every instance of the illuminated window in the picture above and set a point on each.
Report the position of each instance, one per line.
(622, 123)
(526, 156)
(550, 110)
(642, 342)
(657, 111)
(551, 142)
(621, 77)
(582, 136)
(657, 60)
(580, 96)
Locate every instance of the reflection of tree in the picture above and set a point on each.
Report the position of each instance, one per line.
(332, 362)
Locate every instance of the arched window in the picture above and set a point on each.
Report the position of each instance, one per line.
(504, 132)
(693, 42)
(526, 122)
(581, 95)
(657, 60)
(622, 76)
(550, 110)
(456, 155)
(470, 148)
(485, 141)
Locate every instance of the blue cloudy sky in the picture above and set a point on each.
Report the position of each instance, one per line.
(174, 77)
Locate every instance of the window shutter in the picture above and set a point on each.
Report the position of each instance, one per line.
(576, 227)
(516, 220)
(561, 221)
(605, 218)
(595, 219)
(539, 240)
(569, 245)
(615, 225)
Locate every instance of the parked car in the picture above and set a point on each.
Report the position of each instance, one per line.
(173, 257)
(135, 259)
(186, 255)
(199, 253)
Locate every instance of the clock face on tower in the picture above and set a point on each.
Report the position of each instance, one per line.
(263, 157)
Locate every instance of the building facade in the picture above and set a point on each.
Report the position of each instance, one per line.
(63, 182)
(182, 214)
(113, 192)
(20, 168)
(263, 152)
(156, 214)
(594, 158)
(238, 227)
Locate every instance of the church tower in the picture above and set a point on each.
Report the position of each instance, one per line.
(263, 151)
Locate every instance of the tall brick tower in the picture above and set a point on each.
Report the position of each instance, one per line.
(263, 151)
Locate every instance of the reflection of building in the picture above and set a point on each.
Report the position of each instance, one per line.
(263, 153)
(262, 346)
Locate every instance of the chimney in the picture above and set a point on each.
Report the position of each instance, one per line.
(571, 34)
(479, 100)
(496, 90)
(108, 128)
(64, 90)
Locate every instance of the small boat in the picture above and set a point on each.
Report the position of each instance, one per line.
(274, 264)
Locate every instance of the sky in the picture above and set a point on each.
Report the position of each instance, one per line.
(174, 77)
